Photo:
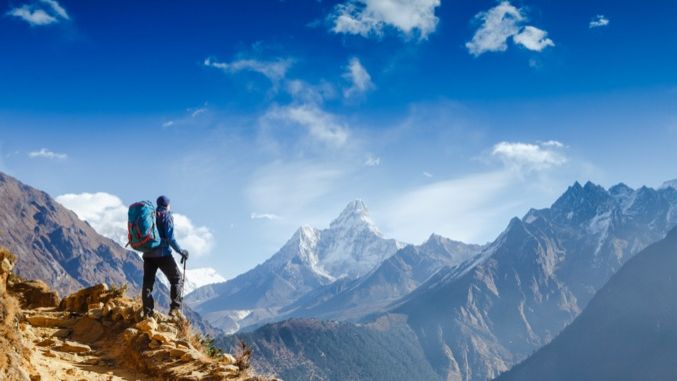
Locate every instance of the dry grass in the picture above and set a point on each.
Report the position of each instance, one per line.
(118, 291)
(243, 356)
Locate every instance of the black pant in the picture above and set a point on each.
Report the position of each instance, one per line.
(168, 266)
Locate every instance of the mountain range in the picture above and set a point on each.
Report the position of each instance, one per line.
(476, 319)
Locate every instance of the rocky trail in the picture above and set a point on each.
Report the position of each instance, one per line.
(98, 333)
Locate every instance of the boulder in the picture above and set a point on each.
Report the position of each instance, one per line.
(147, 325)
(6, 266)
(80, 301)
(129, 334)
(49, 321)
(227, 358)
(160, 338)
(87, 330)
(73, 347)
(95, 313)
(177, 352)
(34, 294)
(61, 333)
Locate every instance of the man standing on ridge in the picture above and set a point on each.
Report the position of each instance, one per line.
(161, 258)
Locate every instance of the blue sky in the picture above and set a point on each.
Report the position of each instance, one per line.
(258, 116)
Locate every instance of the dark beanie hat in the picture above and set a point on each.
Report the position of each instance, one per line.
(163, 201)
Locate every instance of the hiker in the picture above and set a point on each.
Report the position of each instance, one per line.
(161, 258)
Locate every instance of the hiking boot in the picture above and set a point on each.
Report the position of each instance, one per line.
(176, 313)
(148, 314)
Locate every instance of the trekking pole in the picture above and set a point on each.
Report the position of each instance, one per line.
(183, 281)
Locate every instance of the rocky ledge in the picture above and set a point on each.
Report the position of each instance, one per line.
(99, 334)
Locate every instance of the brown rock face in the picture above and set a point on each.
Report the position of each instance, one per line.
(80, 301)
(13, 366)
(34, 294)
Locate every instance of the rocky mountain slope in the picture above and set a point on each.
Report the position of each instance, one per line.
(326, 350)
(53, 245)
(312, 258)
(98, 334)
(627, 332)
(538, 275)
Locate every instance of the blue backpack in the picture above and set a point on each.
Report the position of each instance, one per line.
(141, 228)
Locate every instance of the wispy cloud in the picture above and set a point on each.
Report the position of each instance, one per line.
(473, 205)
(44, 153)
(168, 123)
(370, 17)
(274, 70)
(598, 21)
(292, 188)
(107, 214)
(454, 207)
(304, 92)
(427, 174)
(530, 157)
(501, 23)
(359, 78)
(264, 216)
(320, 125)
(40, 13)
(372, 161)
(196, 112)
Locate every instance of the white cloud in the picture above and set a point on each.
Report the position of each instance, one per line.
(320, 125)
(168, 123)
(552, 143)
(107, 214)
(273, 70)
(533, 38)
(302, 91)
(264, 216)
(57, 9)
(458, 208)
(369, 17)
(196, 239)
(501, 23)
(103, 211)
(359, 78)
(530, 157)
(39, 13)
(195, 113)
(427, 174)
(292, 188)
(372, 161)
(47, 154)
(196, 278)
(598, 21)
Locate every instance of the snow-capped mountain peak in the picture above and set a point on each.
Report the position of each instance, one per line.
(355, 216)
(669, 184)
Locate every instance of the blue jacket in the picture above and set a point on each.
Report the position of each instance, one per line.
(165, 226)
